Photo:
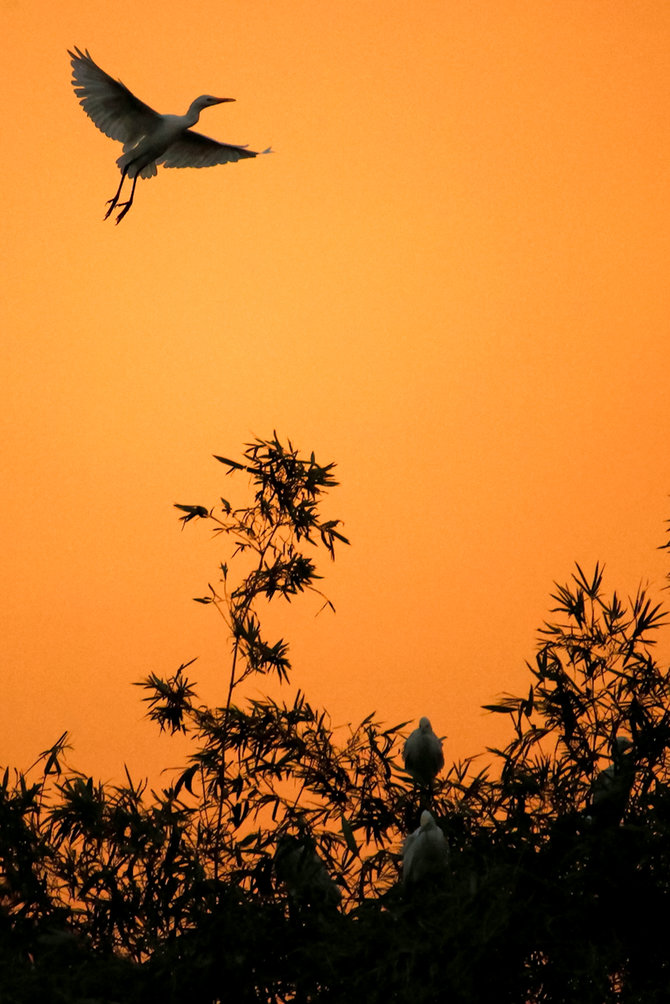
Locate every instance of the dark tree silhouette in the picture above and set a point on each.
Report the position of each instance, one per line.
(269, 868)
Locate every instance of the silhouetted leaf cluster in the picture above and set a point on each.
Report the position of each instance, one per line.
(268, 869)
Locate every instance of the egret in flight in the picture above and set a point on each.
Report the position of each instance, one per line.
(148, 138)
(423, 754)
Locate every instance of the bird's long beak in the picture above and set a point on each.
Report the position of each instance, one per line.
(219, 101)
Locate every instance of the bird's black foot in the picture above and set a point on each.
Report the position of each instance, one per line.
(126, 207)
(112, 203)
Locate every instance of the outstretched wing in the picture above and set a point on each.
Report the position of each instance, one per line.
(112, 107)
(194, 150)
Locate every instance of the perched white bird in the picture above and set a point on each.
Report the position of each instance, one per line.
(148, 138)
(610, 789)
(305, 875)
(425, 853)
(423, 754)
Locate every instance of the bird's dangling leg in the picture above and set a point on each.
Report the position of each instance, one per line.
(112, 202)
(128, 204)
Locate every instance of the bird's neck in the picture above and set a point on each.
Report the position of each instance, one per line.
(191, 118)
(192, 115)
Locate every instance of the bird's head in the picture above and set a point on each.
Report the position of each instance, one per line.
(622, 750)
(205, 100)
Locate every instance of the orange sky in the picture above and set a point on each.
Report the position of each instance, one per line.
(451, 278)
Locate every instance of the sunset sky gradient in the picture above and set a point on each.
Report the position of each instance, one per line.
(451, 278)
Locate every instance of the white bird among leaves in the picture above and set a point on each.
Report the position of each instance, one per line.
(611, 788)
(425, 853)
(148, 138)
(305, 875)
(423, 754)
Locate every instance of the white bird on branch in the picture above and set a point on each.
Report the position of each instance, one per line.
(148, 138)
(425, 853)
(304, 874)
(423, 754)
(610, 789)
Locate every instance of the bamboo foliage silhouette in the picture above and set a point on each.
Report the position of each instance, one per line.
(269, 866)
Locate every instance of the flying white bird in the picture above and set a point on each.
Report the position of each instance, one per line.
(425, 853)
(148, 138)
(611, 788)
(303, 872)
(423, 754)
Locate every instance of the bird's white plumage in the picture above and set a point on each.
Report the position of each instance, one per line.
(148, 138)
(194, 150)
(108, 103)
(305, 875)
(423, 754)
(425, 852)
(611, 788)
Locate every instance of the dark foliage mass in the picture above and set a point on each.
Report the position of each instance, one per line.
(270, 868)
